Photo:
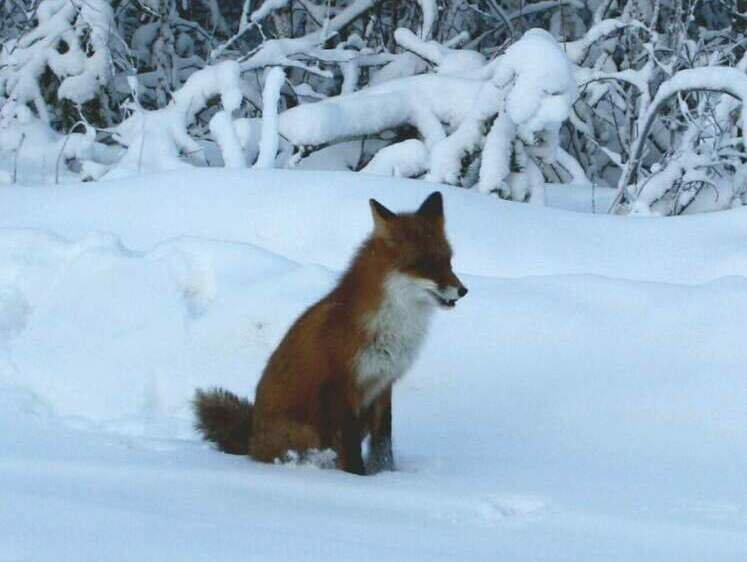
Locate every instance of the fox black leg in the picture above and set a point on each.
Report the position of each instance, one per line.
(380, 456)
(342, 428)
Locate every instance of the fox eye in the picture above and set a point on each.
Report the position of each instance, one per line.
(441, 261)
(423, 264)
(430, 263)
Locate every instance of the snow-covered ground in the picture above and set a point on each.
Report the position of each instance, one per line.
(587, 401)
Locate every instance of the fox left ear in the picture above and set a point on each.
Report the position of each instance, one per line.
(433, 206)
(381, 217)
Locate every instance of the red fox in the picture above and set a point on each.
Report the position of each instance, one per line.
(328, 384)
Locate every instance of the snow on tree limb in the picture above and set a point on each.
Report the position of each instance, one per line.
(496, 156)
(268, 146)
(572, 167)
(266, 8)
(82, 66)
(378, 108)
(726, 80)
(429, 9)
(429, 50)
(224, 133)
(577, 50)
(533, 98)
(158, 140)
(277, 52)
(459, 62)
(398, 89)
(406, 159)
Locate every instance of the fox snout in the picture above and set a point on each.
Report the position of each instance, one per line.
(457, 283)
(448, 293)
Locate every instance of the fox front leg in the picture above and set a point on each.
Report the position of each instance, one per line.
(380, 456)
(351, 458)
(342, 428)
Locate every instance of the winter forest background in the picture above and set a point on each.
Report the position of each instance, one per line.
(641, 96)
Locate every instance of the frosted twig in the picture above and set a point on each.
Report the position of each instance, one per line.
(15, 158)
(717, 79)
(62, 151)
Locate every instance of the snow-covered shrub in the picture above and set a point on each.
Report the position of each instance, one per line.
(33, 152)
(467, 92)
(667, 154)
(705, 158)
(517, 107)
(158, 140)
(64, 58)
(61, 63)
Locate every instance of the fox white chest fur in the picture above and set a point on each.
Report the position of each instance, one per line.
(397, 330)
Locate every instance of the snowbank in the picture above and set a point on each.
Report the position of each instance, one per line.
(324, 217)
(584, 402)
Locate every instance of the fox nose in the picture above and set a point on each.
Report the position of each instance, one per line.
(462, 291)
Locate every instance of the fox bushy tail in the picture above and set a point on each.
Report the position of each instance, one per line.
(224, 418)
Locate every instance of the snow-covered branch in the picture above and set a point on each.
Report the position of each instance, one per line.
(725, 80)
(159, 140)
(277, 52)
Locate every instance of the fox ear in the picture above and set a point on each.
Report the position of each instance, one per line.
(381, 217)
(433, 206)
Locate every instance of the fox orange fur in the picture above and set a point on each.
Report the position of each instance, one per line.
(329, 383)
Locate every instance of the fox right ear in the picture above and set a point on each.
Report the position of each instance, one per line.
(381, 217)
(433, 206)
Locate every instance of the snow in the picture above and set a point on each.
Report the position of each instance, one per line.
(384, 106)
(532, 100)
(33, 152)
(403, 159)
(584, 402)
(465, 94)
(536, 98)
(542, 94)
(403, 64)
(267, 8)
(81, 68)
(277, 52)
(224, 132)
(429, 10)
(452, 110)
(449, 61)
(577, 50)
(156, 139)
(268, 145)
(496, 162)
(728, 80)
(96, 69)
(431, 51)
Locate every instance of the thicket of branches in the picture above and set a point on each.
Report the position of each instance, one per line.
(641, 95)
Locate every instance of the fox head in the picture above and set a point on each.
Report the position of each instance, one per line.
(419, 249)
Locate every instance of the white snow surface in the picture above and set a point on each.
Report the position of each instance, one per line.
(584, 402)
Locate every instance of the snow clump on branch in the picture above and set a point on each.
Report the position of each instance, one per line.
(518, 101)
(157, 140)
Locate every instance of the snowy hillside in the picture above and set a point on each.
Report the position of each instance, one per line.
(585, 402)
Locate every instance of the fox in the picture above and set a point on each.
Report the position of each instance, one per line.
(328, 384)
